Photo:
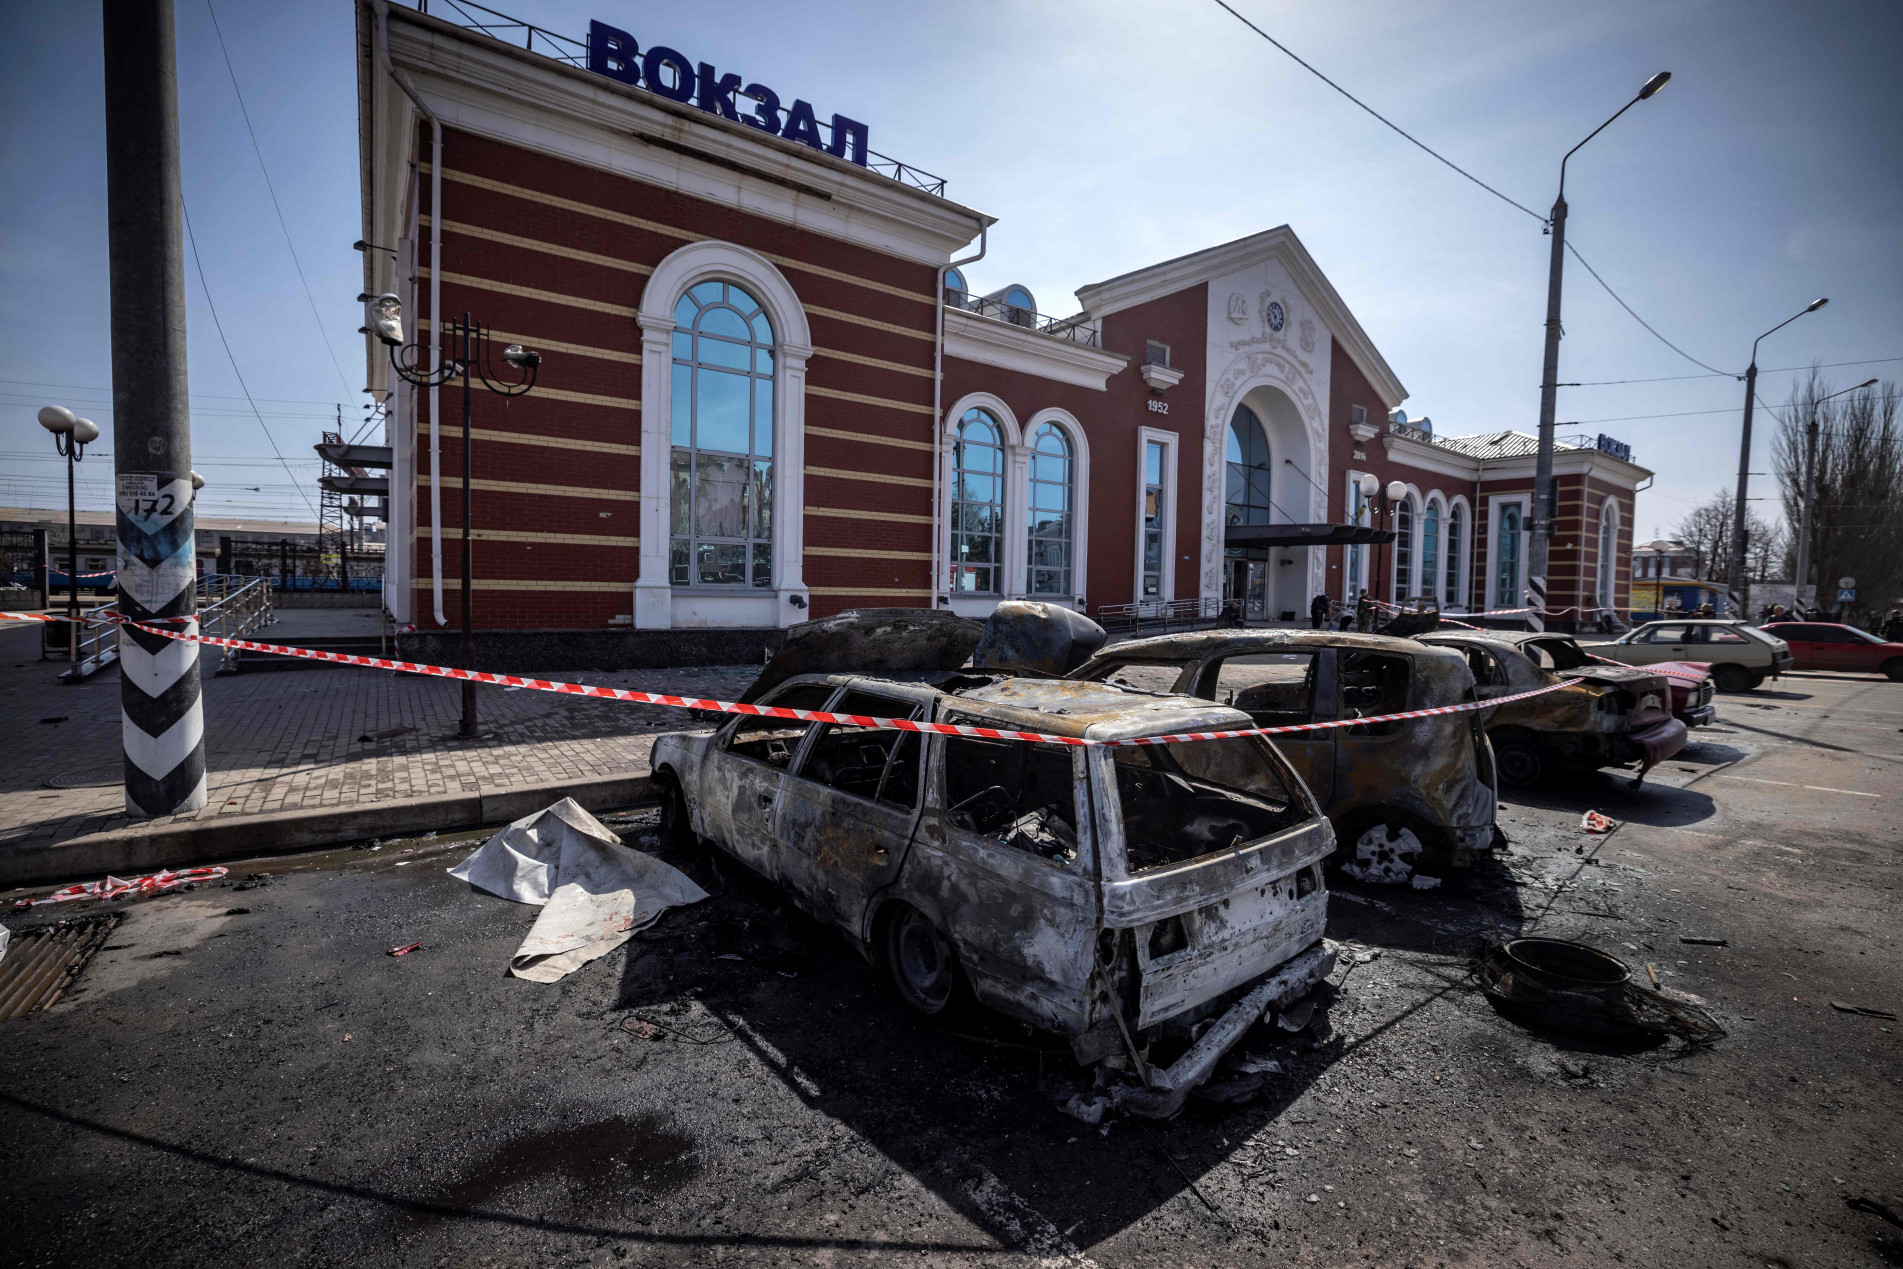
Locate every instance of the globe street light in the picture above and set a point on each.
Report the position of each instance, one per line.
(71, 436)
(468, 350)
(1543, 508)
(1735, 581)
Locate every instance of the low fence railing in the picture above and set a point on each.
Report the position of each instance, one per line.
(228, 606)
(1076, 328)
(1158, 616)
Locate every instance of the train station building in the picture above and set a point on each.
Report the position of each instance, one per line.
(772, 389)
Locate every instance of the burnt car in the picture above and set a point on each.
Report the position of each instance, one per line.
(1108, 894)
(1605, 716)
(1401, 794)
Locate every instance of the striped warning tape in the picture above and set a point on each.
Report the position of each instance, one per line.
(801, 715)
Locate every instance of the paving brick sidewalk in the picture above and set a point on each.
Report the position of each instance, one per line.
(284, 740)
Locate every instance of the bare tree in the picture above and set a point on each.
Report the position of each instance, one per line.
(1858, 521)
(1706, 529)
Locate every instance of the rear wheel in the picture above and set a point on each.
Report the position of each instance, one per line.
(1521, 763)
(920, 961)
(1733, 678)
(1384, 851)
(677, 828)
(1893, 669)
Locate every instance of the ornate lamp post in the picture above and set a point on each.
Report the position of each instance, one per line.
(467, 352)
(71, 436)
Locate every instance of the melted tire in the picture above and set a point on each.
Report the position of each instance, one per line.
(921, 963)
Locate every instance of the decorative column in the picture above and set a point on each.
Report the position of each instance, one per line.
(789, 486)
(1016, 543)
(653, 591)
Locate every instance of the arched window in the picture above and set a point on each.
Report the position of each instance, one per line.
(1019, 308)
(977, 512)
(1608, 551)
(1506, 572)
(722, 435)
(1051, 501)
(1456, 529)
(1430, 549)
(1246, 494)
(955, 283)
(1403, 548)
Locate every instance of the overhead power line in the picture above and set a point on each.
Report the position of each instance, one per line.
(1377, 114)
(220, 327)
(259, 151)
(1635, 317)
(196, 396)
(1720, 374)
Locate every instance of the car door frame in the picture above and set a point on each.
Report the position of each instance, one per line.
(1299, 749)
(754, 789)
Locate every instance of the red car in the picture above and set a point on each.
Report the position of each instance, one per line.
(1691, 690)
(1817, 645)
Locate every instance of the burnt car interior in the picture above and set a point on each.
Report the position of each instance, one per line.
(775, 740)
(876, 764)
(1373, 684)
(1181, 802)
(1275, 689)
(1016, 793)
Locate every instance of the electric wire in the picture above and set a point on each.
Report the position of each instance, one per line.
(219, 326)
(272, 190)
(1721, 374)
(1635, 317)
(1377, 114)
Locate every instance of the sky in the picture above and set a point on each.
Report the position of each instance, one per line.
(1104, 136)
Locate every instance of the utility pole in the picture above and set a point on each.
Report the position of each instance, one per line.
(1807, 517)
(1736, 582)
(151, 425)
(1543, 492)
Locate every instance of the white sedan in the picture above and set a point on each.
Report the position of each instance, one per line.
(1741, 656)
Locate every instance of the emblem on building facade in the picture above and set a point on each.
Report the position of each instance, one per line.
(1238, 309)
(1308, 335)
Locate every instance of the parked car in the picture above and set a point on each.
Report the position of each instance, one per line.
(1689, 681)
(1605, 716)
(1097, 892)
(1401, 794)
(1741, 656)
(1822, 645)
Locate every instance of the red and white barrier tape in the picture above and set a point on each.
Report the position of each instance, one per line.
(802, 715)
(113, 888)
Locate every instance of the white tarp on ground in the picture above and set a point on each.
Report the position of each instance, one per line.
(595, 893)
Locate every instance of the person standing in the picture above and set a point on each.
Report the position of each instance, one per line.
(1892, 631)
(1318, 611)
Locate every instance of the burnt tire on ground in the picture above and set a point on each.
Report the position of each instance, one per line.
(677, 828)
(920, 962)
(1733, 678)
(1383, 848)
(1522, 763)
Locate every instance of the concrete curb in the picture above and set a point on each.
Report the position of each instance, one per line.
(127, 851)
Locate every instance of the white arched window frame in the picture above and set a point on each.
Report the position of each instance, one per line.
(1355, 559)
(658, 604)
(1433, 550)
(1404, 569)
(1608, 553)
(1065, 423)
(1012, 494)
(1457, 552)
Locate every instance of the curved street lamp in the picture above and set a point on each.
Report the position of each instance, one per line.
(71, 436)
(1543, 500)
(468, 350)
(1735, 581)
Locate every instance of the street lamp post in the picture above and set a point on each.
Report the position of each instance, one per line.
(71, 436)
(1810, 495)
(1543, 502)
(468, 342)
(1735, 583)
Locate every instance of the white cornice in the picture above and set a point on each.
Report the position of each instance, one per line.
(498, 90)
(1140, 287)
(1160, 378)
(1566, 462)
(994, 343)
(1412, 453)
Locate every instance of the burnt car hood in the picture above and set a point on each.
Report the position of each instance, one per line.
(1631, 677)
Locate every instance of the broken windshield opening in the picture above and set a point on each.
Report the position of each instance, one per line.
(1181, 802)
(1141, 676)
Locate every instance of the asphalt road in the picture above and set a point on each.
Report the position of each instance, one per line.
(269, 1086)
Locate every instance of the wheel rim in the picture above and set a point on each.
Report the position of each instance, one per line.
(1732, 679)
(673, 810)
(1518, 766)
(921, 962)
(1384, 852)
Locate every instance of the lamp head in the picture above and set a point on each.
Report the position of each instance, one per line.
(526, 358)
(386, 319)
(1655, 83)
(1396, 491)
(57, 419)
(1867, 383)
(1370, 484)
(1817, 304)
(198, 482)
(85, 431)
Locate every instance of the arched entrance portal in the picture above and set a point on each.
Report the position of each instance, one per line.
(1265, 482)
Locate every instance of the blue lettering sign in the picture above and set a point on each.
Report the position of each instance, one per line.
(1618, 449)
(667, 73)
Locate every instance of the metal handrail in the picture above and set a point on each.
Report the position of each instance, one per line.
(559, 46)
(1159, 615)
(1076, 328)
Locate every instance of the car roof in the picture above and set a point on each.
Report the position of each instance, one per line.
(1058, 707)
(1202, 642)
(1512, 637)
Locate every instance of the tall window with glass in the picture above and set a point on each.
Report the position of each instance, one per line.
(1247, 470)
(1456, 524)
(1049, 571)
(721, 522)
(1430, 550)
(1357, 514)
(1506, 575)
(977, 506)
(1403, 548)
(1155, 507)
(1608, 551)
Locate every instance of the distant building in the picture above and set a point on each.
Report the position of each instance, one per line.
(1663, 557)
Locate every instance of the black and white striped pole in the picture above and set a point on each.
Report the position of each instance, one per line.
(162, 723)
